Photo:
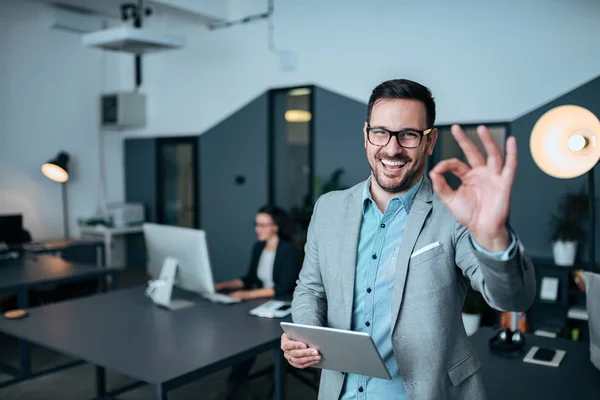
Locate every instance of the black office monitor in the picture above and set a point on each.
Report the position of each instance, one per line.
(11, 228)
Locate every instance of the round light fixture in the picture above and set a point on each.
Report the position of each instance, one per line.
(565, 141)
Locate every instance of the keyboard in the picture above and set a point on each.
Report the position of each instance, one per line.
(220, 298)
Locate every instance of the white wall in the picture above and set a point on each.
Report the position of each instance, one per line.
(49, 86)
(483, 62)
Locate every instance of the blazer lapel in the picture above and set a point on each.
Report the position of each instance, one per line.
(416, 218)
(350, 237)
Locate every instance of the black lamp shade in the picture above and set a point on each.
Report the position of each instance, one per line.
(57, 168)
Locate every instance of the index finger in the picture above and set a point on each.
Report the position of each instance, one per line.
(472, 153)
(493, 151)
(289, 344)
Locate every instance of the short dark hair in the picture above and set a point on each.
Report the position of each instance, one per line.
(404, 89)
(281, 219)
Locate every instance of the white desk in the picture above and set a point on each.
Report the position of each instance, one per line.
(108, 234)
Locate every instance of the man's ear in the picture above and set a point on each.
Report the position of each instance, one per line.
(433, 135)
(365, 133)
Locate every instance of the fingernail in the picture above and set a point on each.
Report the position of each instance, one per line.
(317, 358)
(314, 353)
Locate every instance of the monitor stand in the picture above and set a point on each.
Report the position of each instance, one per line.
(160, 290)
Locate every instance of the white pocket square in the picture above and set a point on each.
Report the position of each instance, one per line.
(425, 248)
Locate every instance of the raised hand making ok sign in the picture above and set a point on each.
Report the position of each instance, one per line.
(482, 201)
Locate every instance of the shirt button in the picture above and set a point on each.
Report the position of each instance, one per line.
(383, 225)
(367, 323)
(368, 290)
(374, 256)
(360, 389)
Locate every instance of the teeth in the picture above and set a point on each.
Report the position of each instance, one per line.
(393, 163)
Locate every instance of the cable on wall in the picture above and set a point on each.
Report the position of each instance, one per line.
(286, 57)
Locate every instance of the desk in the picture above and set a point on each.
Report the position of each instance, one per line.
(124, 331)
(108, 234)
(508, 377)
(21, 275)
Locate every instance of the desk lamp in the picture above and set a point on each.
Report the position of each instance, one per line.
(57, 170)
(565, 143)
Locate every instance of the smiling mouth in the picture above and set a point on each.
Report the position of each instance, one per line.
(392, 166)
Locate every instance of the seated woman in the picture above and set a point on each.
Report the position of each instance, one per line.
(273, 271)
(274, 264)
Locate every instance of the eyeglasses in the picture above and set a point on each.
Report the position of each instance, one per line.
(408, 138)
(263, 225)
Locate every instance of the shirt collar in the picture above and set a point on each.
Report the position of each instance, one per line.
(406, 198)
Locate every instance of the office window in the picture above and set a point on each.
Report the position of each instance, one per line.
(291, 140)
(178, 181)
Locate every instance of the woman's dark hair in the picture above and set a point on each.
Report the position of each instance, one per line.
(281, 219)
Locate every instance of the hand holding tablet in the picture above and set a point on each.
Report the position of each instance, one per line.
(300, 342)
(298, 354)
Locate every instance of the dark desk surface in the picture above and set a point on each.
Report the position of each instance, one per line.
(41, 270)
(124, 331)
(508, 377)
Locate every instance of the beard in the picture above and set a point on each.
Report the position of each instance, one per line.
(397, 183)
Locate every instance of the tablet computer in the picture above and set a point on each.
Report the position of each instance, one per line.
(341, 350)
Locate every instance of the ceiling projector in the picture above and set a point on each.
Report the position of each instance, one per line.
(131, 40)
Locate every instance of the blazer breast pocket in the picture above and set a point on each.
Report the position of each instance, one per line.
(426, 252)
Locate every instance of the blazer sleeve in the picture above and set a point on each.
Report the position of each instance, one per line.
(288, 271)
(505, 284)
(309, 305)
(251, 278)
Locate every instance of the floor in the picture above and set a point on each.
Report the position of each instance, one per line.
(79, 382)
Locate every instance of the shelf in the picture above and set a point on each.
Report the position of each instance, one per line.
(578, 313)
(551, 302)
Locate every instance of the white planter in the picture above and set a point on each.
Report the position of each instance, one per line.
(471, 322)
(564, 252)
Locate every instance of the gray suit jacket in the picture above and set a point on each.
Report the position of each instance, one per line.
(434, 355)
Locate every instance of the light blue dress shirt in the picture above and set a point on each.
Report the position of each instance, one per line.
(375, 271)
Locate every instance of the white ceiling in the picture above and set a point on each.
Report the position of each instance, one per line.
(199, 11)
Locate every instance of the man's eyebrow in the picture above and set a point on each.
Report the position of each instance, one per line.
(388, 129)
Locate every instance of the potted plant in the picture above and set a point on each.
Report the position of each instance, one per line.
(567, 227)
(472, 309)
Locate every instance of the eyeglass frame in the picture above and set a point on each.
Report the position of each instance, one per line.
(397, 135)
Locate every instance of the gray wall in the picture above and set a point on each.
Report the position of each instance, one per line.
(140, 186)
(339, 140)
(535, 194)
(235, 147)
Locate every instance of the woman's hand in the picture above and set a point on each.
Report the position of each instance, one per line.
(233, 285)
(253, 294)
(242, 295)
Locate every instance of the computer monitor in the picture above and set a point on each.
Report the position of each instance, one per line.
(11, 229)
(188, 247)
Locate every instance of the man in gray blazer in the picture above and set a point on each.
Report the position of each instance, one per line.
(394, 255)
